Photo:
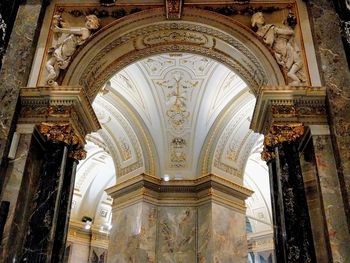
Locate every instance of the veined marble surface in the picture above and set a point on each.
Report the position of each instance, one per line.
(177, 235)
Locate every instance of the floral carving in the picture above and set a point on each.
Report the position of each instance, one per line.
(78, 154)
(280, 133)
(63, 132)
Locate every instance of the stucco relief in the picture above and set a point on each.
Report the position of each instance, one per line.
(281, 39)
(155, 67)
(66, 41)
(197, 64)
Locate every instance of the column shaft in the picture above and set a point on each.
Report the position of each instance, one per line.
(294, 225)
(41, 230)
(64, 208)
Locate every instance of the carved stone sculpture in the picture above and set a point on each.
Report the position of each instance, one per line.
(67, 41)
(281, 40)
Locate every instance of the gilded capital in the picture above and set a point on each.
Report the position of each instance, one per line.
(78, 154)
(283, 132)
(62, 132)
(267, 154)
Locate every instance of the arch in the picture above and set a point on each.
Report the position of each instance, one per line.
(148, 33)
(238, 106)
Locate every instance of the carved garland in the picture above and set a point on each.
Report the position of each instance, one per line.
(278, 134)
(64, 132)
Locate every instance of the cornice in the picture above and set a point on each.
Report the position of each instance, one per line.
(58, 105)
(286, 104)
(192, 192)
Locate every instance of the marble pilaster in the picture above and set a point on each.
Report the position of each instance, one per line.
(298, 245)
(321, 161)
(40, 235)
(16, 67)
(133, 235)
(200, 220)
(281, 114)
(325, 25)
(40, 190)
(64, 209)
(22, 178)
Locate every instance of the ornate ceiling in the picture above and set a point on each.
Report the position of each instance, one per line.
(178, 97)
(181, 115)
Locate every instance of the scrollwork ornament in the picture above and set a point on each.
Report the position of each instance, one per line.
(62, 132)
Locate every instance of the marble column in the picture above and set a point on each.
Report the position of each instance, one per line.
(40, 179)
(293, 237)
(330, 231)
(64, 209)
(199, 220)
(38, 245)
(334, 69)
(22, 177)
(15, 70)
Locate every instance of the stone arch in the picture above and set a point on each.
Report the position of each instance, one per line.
(148, 33)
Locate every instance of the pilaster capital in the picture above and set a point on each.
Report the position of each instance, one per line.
(62, 132)
(288, 105)
(55, 108)
(62, 113)
(278, 134)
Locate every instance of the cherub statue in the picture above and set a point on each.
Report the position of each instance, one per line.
(68, 39)
(286, 51)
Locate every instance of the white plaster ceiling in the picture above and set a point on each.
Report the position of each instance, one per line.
(178, 114)
(178, 97)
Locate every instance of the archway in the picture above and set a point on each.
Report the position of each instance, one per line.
(148, 33)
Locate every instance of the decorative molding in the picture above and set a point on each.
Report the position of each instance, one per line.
(78, 154)
(285, 104)
(61, 132)
(280, 133)
(58, 106)
(178, 191)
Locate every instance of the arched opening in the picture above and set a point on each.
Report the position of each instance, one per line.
(201, 73)
(196, 113)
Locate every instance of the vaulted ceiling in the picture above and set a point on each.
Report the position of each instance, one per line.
(177, 114)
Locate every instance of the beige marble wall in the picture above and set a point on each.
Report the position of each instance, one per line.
(79, 253)
(12, 185)
(177, 234)
(337, 229)
(133, 235)
(205, 234)
(229, 235)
